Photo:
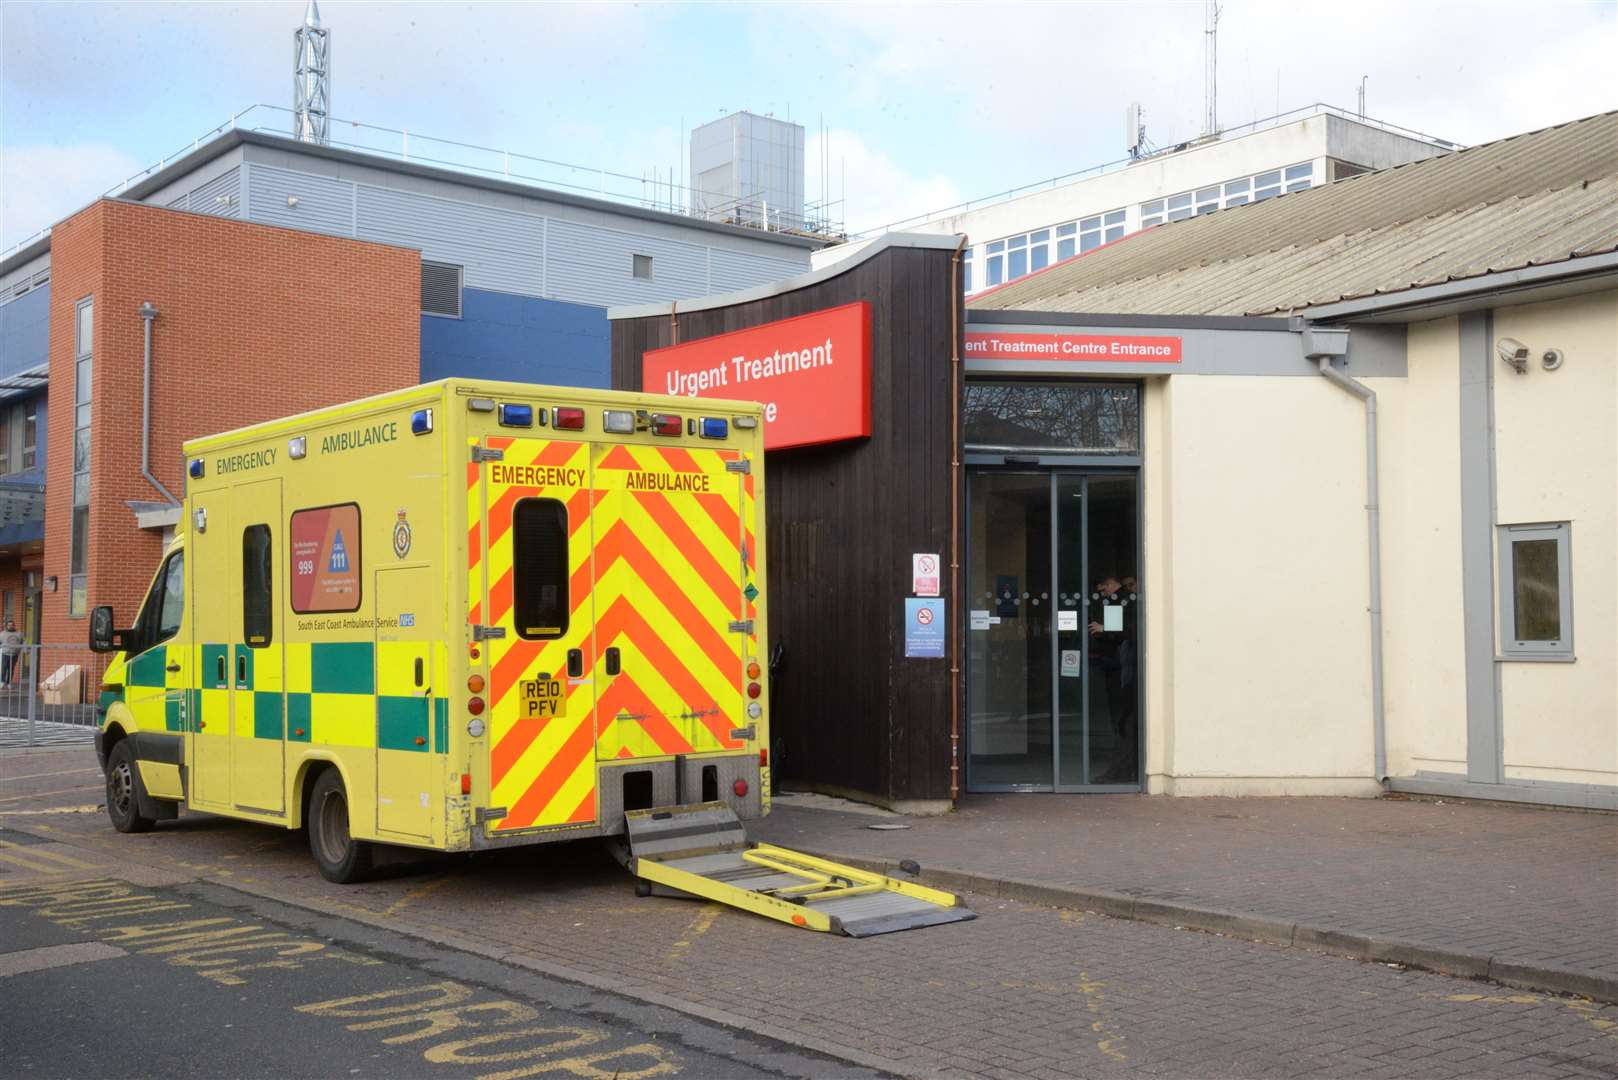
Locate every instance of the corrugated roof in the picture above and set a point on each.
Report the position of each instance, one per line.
(1530, 199)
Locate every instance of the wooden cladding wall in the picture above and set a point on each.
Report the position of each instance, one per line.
(849, 710)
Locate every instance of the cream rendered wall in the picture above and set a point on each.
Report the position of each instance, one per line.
(1258, 672)
(1556, 459)
(1424, 657)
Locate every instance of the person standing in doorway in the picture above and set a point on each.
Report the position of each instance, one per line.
(10, 650)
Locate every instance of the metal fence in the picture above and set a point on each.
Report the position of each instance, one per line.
(49, 694)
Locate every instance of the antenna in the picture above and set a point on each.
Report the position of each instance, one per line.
(311, 78)
(1363, 78)
(1134, 130)
(1210, 75)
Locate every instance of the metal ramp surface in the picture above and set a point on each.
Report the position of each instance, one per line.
(703, 851)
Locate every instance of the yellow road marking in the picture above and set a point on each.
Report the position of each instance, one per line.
(43, 794)
(1093, 997)
(38, 868)
(52, 810)
(33, 853)
(699, 926)
(414, 895)
(1072, 918)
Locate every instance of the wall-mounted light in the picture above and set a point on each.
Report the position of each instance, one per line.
(50, 583)
(292, 200)
(1513, 353)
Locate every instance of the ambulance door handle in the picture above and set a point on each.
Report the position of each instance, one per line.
(575, 663)
(221, 678)
(172, 667)
(614, 663)
(419, 670)
(241, 671)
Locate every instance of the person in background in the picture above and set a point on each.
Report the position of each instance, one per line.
(10, 650)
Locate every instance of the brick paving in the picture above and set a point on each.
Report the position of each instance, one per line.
(1527, 885)
(1022, 991)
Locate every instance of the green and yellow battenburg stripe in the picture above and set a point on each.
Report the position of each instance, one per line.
(338, 693)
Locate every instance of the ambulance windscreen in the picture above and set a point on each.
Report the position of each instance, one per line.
(539, 583)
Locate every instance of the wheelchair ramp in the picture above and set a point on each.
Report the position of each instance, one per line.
(703, 851)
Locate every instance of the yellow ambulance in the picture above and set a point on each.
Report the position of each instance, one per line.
(461, 616)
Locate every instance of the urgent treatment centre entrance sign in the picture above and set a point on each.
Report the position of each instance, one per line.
(812, 373)
(1103, 348)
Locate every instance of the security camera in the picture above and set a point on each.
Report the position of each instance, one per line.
(1552, 359)
(1514, 353)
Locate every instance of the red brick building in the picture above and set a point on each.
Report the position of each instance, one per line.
(253, 322)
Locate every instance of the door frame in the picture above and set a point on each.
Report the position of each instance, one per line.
(1054, 466)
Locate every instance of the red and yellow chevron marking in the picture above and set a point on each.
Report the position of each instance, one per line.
(542, 770)
(668, 569)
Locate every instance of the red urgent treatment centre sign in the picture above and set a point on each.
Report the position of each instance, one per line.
(1104, 348)
(811, 372)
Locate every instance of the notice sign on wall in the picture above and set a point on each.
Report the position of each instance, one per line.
(924, 627)
(325, 550)
(1100, 348)
(812, 374)
(924, 575)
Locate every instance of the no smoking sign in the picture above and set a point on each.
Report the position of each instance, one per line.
(924, 574)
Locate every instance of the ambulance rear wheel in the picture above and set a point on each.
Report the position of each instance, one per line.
(123, 803)
(340, 857)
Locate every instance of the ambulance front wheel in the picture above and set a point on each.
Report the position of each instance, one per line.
(340, 857)
(123, 799)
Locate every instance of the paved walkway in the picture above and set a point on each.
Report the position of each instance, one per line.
(1523, 895)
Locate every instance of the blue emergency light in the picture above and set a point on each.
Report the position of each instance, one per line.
(196, 469)
(516, 415)
(421, 422)
(715, 427)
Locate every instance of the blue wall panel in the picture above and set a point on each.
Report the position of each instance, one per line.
(519, 338)
(25, 337)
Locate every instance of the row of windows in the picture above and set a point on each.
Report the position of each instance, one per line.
(1018, 256)
(1231, 193)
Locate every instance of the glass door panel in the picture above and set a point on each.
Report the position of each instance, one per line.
(1010, 645)
(1112, 736)
(1072, 629)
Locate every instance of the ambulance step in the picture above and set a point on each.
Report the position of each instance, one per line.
(703, 851)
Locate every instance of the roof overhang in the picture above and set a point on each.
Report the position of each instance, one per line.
(1528, 284)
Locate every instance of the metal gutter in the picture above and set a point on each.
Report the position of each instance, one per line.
(1493, 285)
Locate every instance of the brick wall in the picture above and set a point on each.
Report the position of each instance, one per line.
(256, 323)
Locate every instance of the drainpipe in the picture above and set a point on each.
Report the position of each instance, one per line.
(1322, 346)
(955, 383)
(147, 313)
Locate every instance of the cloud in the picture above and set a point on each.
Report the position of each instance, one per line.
(867, 187)
(41, 185)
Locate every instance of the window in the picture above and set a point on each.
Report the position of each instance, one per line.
(996, 262)
(441, 289)
(78, 587)
(30, 434)
(1266, 184)
(640, 267)
(323, 545)
(161, 615)
(1536, 601)
(966, 270)
(1060, 418)
(5, 439)
(1016, 264)
(539, 581)
(1236, 192)
(258, 596)
(7, 610)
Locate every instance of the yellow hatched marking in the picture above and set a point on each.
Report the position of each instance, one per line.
(16, 859)
(55, 856)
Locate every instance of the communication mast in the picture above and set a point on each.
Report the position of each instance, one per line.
(311, 78)
(1210, 75)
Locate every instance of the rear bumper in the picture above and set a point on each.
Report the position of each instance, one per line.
(642, 785)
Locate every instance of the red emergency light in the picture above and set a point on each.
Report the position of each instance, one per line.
(568, 418)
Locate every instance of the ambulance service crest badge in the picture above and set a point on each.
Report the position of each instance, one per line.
(401, 536)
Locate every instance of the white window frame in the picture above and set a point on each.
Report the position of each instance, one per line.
(1510, 647)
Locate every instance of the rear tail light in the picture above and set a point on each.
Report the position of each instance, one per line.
(474, 706)
(740, 788)
(754, 689)
(666, 424)
(753, 670)
(763, 757)
(466, 783)
(568, 418)
(474, 683)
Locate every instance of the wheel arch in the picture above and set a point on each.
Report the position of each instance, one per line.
(310, 768)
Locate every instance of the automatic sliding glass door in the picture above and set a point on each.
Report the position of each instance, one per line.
(1053, 641)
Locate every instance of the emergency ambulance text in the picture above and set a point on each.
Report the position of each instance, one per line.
(253, 459)
(538, 476)
(360, 437)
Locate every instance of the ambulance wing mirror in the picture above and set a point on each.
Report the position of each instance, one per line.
(103, 636)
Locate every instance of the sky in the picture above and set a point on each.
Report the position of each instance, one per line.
(922, 106)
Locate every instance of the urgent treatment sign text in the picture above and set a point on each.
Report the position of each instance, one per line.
(812, 373)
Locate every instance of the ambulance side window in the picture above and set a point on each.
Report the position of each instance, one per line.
(164, 608)
(258, 613)
(539, 569)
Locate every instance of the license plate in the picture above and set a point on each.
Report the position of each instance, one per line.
(544, 699)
